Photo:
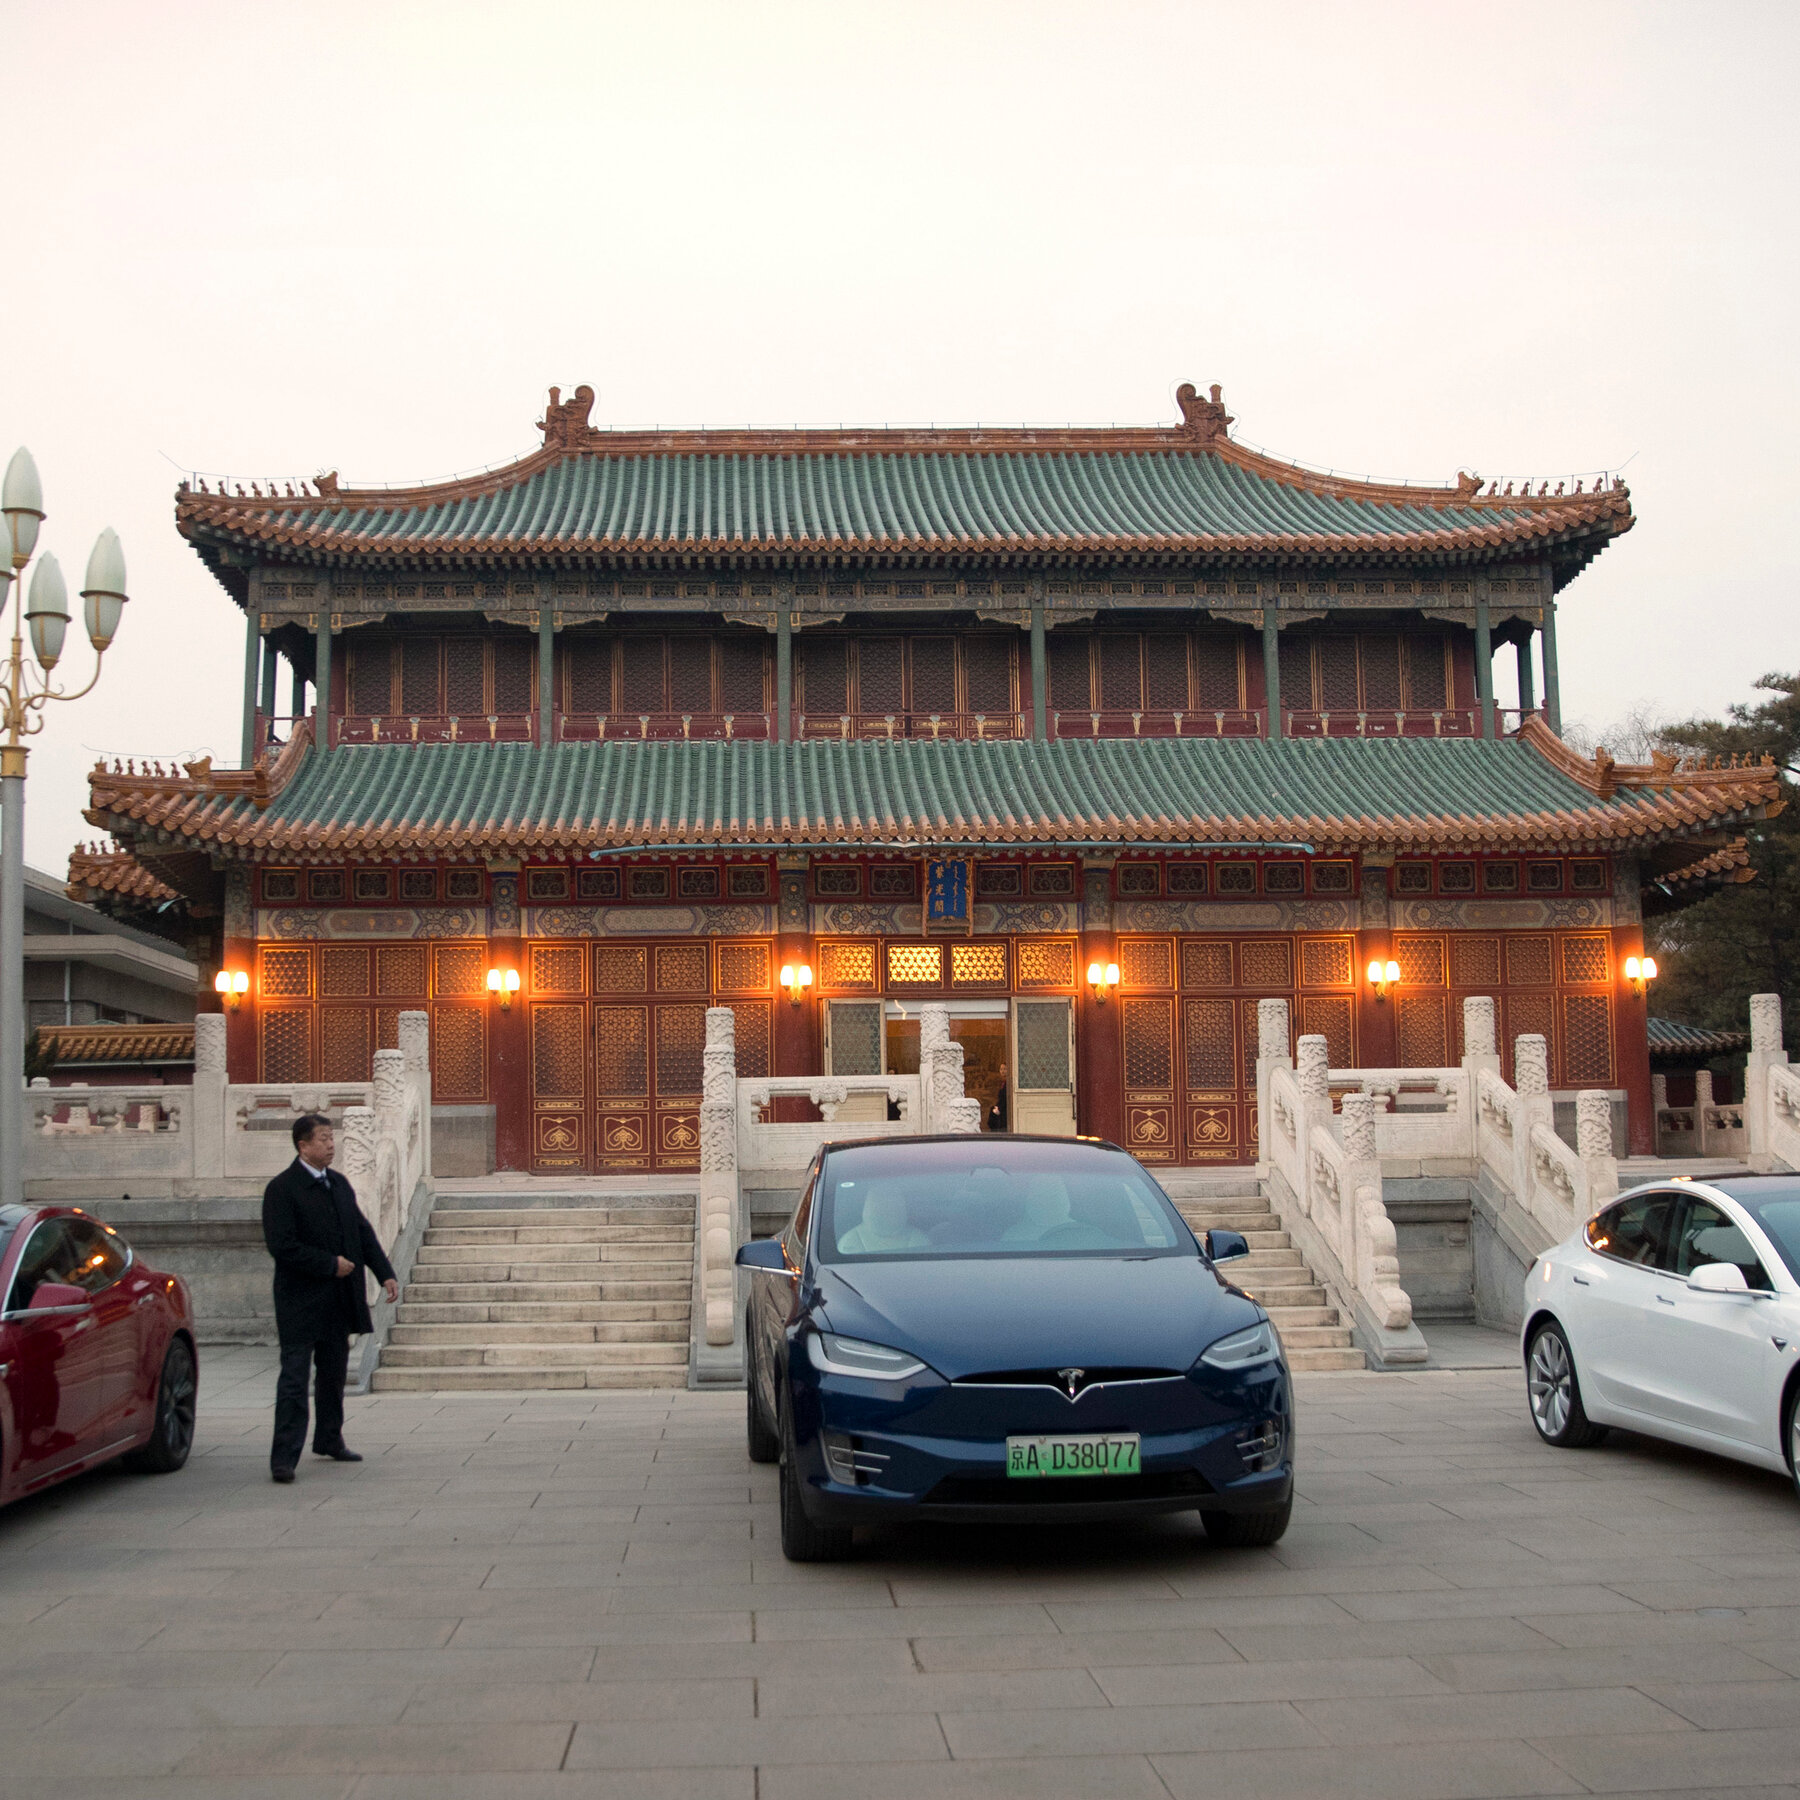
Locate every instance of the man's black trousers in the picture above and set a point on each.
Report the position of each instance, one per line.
(332, 1356)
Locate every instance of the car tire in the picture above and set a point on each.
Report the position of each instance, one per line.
(172, 1435)
(802, 1541)
(1241, 1530)
(1554, 1391)
(764, 1446)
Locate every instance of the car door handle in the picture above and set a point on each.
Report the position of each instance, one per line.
(1580, 1280)
(1664, 1300)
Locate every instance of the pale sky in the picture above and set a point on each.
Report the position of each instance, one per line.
(1406, 239)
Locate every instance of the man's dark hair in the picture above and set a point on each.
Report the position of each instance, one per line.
(306, 1125)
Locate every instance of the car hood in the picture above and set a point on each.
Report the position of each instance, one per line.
(975, 1316)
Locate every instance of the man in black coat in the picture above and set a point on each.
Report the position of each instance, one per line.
(321, 1244)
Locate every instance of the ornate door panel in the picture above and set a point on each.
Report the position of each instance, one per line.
(558, 1085)
(622, 1087)
(679, 1062)
(1212, 1113)
(1148, 1025)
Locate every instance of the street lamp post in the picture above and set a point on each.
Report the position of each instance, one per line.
(45, 614)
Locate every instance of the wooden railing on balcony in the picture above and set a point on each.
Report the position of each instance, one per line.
(912, 725)
(600, 728)
(440, 728)
(1450, 722)
(1197, 724)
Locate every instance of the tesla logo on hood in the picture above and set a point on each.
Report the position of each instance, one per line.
(1071, 1380)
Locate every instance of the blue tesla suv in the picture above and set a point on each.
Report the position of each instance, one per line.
(1007, 1328)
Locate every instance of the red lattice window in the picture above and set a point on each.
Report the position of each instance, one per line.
(1381, 674)
(690, 674)
(512, 675)
(465, 677)
(878, 685)
(825, 681)
(590, 674)
(1166, 672)
(741, 682)
(372, 676)
(1218, 682)
(1071, 688)
(641, 687)
(1121, 673)
(987, 675)
(420, 676)
(285, 1043)
(1587, 1040)
(934, 675)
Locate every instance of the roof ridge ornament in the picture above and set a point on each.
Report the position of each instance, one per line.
(1206, 419)
(565, 422)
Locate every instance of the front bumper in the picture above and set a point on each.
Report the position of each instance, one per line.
(937, 1450)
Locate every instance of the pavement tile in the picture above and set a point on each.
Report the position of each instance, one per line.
(855, 1739)
(364, 1749)
(1644, 1765)
(1067, 1778)
(520, 1702)
(1468, 1771)
(823, 1695)
(1234, 1725)
(1449, 1718)
(1736, 1705)
(1335, 1678)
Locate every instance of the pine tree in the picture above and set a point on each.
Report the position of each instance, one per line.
(1743, 939)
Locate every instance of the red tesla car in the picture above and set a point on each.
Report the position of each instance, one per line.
(96, 1352)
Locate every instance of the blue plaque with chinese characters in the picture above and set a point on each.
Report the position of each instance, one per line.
(947, 893)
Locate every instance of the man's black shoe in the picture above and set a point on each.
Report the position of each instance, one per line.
(281, 1475)
(339, 1453)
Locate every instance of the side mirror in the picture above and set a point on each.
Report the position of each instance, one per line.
(49, 1295)
(1222, 1246)
(1718, 1278)
(763, 1253)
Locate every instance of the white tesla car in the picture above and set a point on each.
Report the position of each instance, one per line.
(1674, 1311)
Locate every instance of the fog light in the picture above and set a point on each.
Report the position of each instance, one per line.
(848, 1461)
(1261, 1445)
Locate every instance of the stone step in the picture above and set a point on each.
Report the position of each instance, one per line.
(1313, 1337)
(478, 1218)
(1266, 1260)
(556, 1272)
(669, 1250)
(537, 1356)
(674, 1231)
(1206, 1220)
(593, 1312)
(541, 1331)
(1289, 1318)
(487, 1293)
(1314, 1362)
(1281, 1300)
(506, 1380)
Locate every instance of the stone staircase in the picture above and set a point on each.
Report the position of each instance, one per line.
(1275, 1273)
(546, 1290)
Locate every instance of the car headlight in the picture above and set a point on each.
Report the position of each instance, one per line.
(1243, 1349)
(833, 1355)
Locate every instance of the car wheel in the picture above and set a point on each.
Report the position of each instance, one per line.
(801, 1540)
(172, 1437)
(1555, 1391)
(763, 1444)
(1246, 1528)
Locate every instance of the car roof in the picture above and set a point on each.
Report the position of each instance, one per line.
(964, 1137)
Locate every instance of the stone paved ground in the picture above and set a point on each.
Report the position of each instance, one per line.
(532, 1596)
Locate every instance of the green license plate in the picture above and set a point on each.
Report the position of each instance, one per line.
(1029, 1457)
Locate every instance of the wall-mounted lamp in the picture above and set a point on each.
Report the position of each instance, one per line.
(796, 978)
(1382, 976)
(231, 985)
(503, 983)
(1640, 971)
(1102, 978)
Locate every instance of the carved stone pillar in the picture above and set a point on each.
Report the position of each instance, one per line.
(208, 1114)
(1765, 1050)
(1272, 1051)
(719, 1176)
(1594, 1143)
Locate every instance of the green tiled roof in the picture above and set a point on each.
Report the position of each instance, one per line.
(738, 499)
(505, 798)
(890, 499)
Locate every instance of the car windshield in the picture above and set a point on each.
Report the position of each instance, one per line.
(1776, 1208)
(982, 1198)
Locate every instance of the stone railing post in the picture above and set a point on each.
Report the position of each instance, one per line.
(1766, 1051)
(207, 1133)
(1594, 1144)
(1373, 1264)
(1271, 1053)
(719, 1176)
(1703, 1104)
(1481, 1053)
(390, 1128)
(415, 1052)
(1531, 1082)
(357, 1150)
(1312, 1071)
(1659, 1104)
(941, 1076)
